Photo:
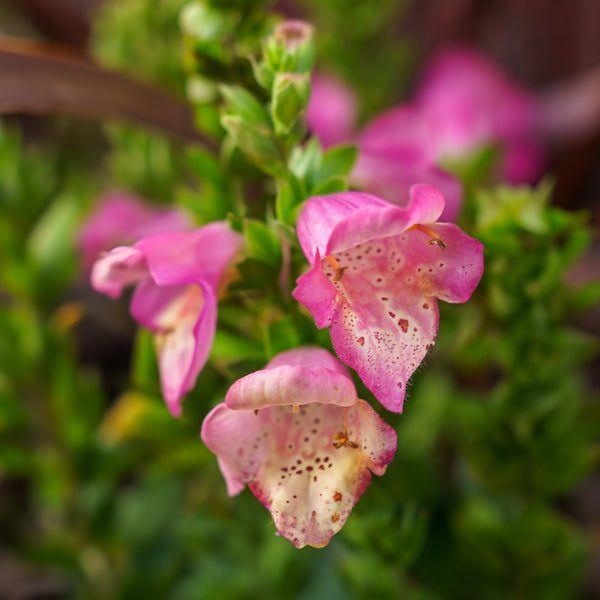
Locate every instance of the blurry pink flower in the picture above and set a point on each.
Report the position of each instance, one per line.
(377, 272)
(332, 110)
(298, 435)
(396, 150)
(177, 277)
(122, 218)
(469, 102)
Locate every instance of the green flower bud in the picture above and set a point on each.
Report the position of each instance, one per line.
(291, 92)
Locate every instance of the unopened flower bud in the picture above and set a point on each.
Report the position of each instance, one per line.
(294, 33)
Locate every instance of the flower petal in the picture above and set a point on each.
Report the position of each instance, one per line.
(336, 222)
(389, 177)
(311, 357)
(296, 377)
(523, 161)
(122, 218)
(183, 319)
(321, 213)
(149, 301)
(469, 101)
(231, 436)
(332, 109)
(386, 318)
(117, 269)
(449, 274)
(191, 257)
(317, 293)
(401, 132)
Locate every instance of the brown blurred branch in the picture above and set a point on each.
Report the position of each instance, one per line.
(51, 78)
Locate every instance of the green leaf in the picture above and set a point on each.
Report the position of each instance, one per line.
(282, 335)
(289, 196)
(241, 103)
(329, 186)
(336, 163)
(257, 142)
(51, 239)
(144, 370)
(255, 275)
(306, 159)
(263, 244)
(229, 348)
(207, 166)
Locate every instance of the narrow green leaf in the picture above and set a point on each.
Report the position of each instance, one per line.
(262, 243)
(337, 162)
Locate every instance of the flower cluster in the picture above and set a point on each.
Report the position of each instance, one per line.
(462, 104)
(296, 431)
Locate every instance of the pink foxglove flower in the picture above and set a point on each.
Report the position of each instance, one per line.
(122, 218)
(396, 150)
(177, 277)
(469, 103)
(302, 440)
(376, 274)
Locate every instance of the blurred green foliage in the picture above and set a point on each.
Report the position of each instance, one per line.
(119, 500)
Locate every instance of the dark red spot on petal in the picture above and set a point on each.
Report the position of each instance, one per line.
(361, 340)
(403, 323)
(337, 497)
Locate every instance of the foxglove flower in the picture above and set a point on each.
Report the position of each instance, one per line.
(376, 273)
(122, 218)
(302, 440)
(396, 150)
(469, 103)
(178, 277)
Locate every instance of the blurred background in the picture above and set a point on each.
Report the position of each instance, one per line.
(104, 495)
